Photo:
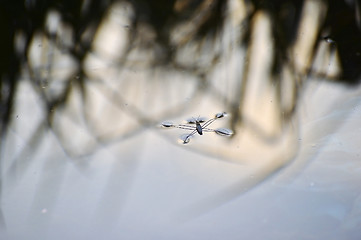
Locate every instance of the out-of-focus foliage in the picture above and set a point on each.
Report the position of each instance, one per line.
(341, 24)
(205, 18)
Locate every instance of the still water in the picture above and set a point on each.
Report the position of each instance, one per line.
(283, 163)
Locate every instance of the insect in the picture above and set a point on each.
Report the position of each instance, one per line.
(201, 125)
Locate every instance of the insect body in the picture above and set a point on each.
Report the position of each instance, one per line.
(199, 128)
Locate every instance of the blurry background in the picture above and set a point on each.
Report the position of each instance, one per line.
(84, 88)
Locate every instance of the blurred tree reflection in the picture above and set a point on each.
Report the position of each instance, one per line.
(172, 35)
(342, 24)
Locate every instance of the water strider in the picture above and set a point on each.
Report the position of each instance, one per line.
(201, 125)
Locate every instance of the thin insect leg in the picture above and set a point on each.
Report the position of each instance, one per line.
(186, 127)
(189, 135)
(209, 122)
(208, 130)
